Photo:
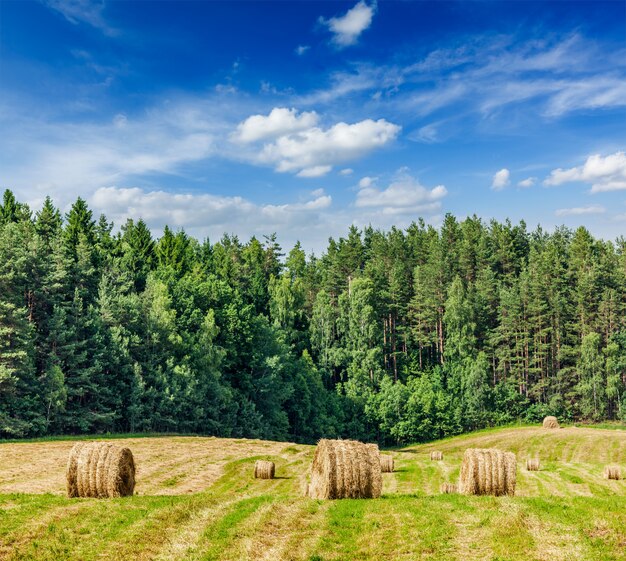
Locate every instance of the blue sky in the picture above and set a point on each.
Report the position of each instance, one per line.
(306, 117)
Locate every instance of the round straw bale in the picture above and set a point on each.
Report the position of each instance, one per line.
(71, 472)
(264, 469)
(551, 423)
(83, 466)
(612, 472)
(120, 472)
(100, 469)
(375, 483)
(436, 456)
(532, 464)
(488, 471)
(345, 469)
(386, 463)
(449, 488)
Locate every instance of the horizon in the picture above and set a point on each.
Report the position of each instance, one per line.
(306, 118)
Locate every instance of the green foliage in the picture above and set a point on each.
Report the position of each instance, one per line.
(396, 336)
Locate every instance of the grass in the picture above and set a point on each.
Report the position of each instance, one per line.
(564, 511)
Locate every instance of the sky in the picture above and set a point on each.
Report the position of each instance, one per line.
(303, 118)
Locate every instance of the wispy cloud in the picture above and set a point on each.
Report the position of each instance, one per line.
(88, 12)
(347, 28)
(302, 49)
(484, 76)
(580, 211)
(604, 173)
(40, 156)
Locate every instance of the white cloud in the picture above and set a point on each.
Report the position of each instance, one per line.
(347, 28)
(579, 211)
(40, 156)
(366, 181)
(206, 214)
(428, 134)
(362, 78)
(404, 195)
(82, 11)
(501, 179)
(301, 49)
(314, 149)
(346, 171)
(279, 122)
(504, 71)
(315, 171)
(225, 89)
(604, 173)
(528, 182)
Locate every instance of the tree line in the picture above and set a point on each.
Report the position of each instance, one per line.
(398, 335)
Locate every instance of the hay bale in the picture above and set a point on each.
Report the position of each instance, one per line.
(386, 463)
(449, 488)
(488, 471)
(71, 471)
(436, 456)
(375, 470)
(532, 464)
(264, 469)
(551, 423)
(345, 469)
(100, 469)
(612, 472)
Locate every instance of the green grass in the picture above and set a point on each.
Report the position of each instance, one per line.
(565, 511)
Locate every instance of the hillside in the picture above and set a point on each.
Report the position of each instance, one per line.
(196, 499)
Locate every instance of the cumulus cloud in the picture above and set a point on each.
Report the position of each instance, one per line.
(208, 214)
(579, 211)
(347, 171)
(604, 173)
(528, 182)
(403, 196)
(366, 182)
(312, 151)
(501, 179)
(347, 28)
(279, 122)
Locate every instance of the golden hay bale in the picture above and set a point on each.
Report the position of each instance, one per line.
(376, 483)
(551, 423)
(449, 488)
(386, 463)
(612, 472)
(488, 471)
(264, 469)
(100, 469)
(72, 469)
(345, 469)
(532, 464)
(437, 456)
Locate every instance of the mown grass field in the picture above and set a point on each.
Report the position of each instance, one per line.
(196, 499)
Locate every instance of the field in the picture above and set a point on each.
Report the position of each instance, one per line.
(196, 499)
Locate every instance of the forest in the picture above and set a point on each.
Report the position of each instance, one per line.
(397, 336)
